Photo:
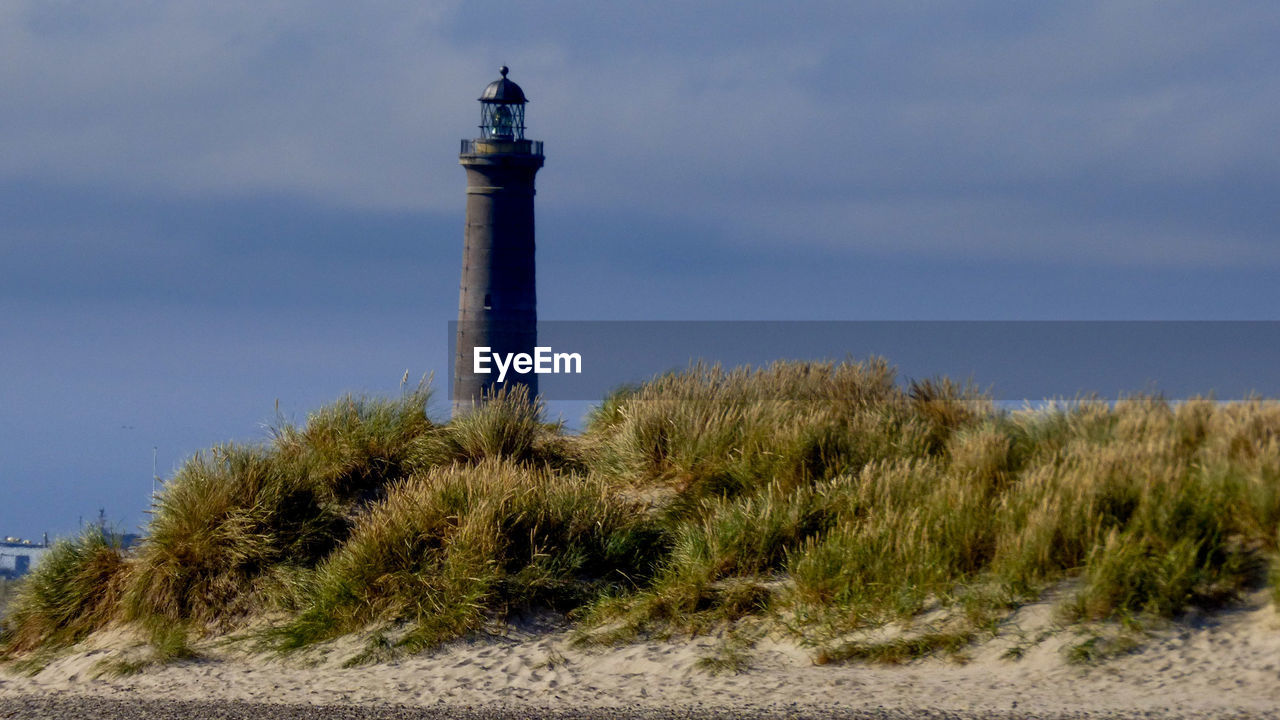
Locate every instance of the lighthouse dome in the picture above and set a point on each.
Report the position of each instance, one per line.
(503, 91)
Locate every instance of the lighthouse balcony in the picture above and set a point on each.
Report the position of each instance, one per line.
(497, 146)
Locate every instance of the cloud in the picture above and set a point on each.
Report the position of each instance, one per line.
(327, 100)
(791, 122)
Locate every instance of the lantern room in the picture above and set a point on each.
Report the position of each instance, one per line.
(502, 110)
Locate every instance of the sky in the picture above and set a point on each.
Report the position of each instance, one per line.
(207, 209)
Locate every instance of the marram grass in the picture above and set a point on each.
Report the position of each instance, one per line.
(75, 590)
(449, 548)
(7, 587)
(820, 497)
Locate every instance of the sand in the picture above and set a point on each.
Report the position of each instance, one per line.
(1206, 666)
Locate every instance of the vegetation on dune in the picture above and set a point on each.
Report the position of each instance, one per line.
(75, 590)
(823, 497)
(237, 525)
(6, 592)
(449, 547)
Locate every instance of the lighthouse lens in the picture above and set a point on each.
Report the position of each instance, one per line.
(503, 125)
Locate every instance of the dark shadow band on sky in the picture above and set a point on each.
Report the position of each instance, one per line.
(1011, 361)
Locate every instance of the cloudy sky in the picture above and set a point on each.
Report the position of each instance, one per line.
(209, 207)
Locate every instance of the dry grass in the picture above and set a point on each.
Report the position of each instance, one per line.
(451, 548)
(829, 497)
(75, 590)
(7, 589)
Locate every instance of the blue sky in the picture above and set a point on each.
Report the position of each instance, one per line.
(206, 207)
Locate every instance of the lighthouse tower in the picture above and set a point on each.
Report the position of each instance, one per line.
(497, 304)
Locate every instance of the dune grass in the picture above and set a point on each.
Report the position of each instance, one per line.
(233, 528)
(454, 547)
(7, 588)
(825, 498)
(74, 590)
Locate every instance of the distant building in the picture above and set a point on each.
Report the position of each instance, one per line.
(18, 556)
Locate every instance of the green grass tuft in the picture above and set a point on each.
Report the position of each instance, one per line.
(455, 546)
(731, 655)
(1098, 648)
(898, 650)
(349, 451)
(73, 591)
(508, 426)
(168, 643)
(221, 523)
(8, 588)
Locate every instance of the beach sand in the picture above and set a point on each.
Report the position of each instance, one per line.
(1212, 665)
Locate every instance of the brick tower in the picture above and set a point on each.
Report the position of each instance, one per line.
(497, 304)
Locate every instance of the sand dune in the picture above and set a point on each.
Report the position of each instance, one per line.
(1202, 665)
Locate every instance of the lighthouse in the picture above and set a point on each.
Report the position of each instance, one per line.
(497, 302)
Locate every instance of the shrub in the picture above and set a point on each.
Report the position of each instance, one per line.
(709, 431)
(232, 522)
(508, 425)
(73, 591)
(227, 516)
(456, 545)
(348, 451)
